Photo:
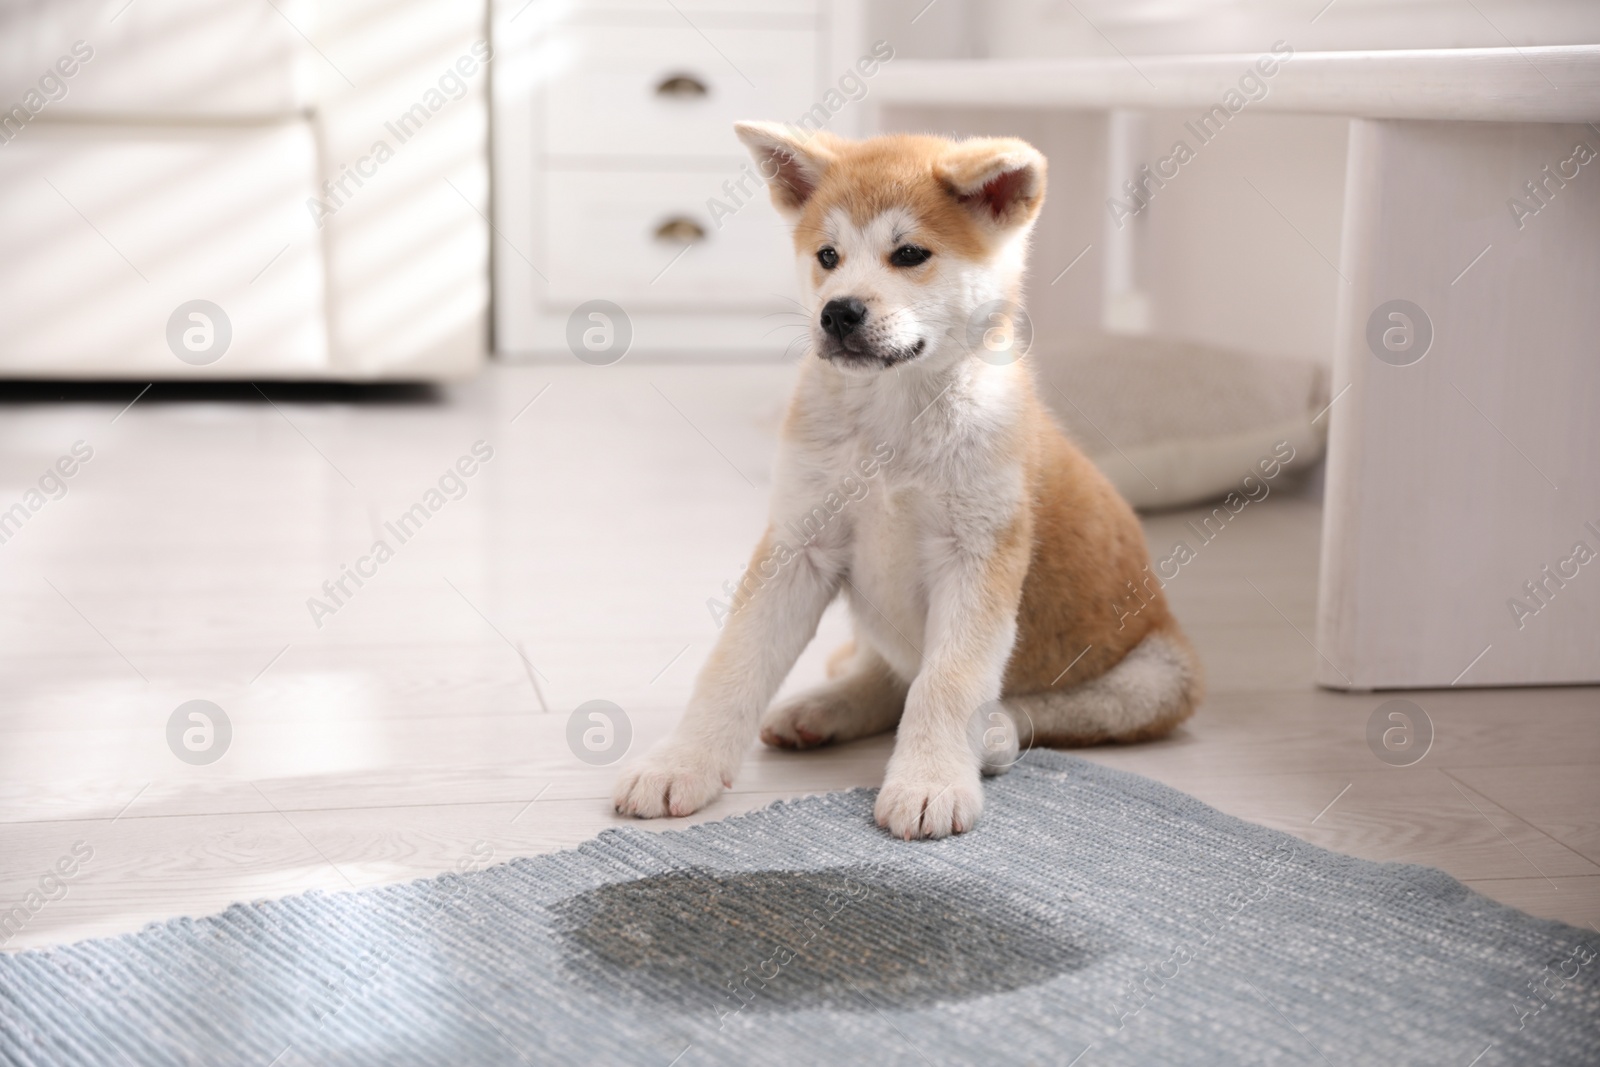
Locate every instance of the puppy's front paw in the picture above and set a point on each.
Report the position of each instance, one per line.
(930, 803)
(668, 782)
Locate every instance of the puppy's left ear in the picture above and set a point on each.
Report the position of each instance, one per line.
(999, 179)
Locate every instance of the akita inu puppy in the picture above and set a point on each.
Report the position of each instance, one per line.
(984, 561)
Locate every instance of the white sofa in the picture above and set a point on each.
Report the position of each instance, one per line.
(168, 151)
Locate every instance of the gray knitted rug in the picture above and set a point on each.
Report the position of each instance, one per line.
(1093, 918)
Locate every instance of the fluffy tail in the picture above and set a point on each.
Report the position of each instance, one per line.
(1145, 696)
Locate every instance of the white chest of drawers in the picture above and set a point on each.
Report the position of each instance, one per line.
(618, 177)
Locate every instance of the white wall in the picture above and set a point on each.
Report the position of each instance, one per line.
(1243, 245)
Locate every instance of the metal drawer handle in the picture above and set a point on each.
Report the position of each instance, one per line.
(682, 87)
(681, 230)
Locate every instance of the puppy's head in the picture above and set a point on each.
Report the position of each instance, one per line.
(900, 239)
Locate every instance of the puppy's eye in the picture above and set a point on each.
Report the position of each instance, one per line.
(828, 258)
(909, 256)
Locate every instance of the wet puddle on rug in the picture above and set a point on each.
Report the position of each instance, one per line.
(843, 938)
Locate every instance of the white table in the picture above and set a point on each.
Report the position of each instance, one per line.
(1455, 478)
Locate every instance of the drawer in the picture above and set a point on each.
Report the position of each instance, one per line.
(633, 91)
(189, 57)
(106, 231)
(601, 233)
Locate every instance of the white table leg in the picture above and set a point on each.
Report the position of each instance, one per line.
(1464, 483)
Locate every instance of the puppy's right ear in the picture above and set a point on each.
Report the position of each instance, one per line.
(791, 161)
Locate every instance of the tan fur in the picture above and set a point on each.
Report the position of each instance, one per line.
(839, 659)
(1089, 555)
(869, 177)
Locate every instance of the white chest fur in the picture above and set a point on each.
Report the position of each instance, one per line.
(895, 479)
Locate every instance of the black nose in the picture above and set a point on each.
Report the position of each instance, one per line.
(839, 317)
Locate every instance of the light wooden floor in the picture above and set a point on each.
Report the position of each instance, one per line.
(390, 742)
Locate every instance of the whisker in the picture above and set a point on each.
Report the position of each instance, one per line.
(787, 326)
(793, 301)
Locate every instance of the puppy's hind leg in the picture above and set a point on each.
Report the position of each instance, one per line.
(863, 697)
